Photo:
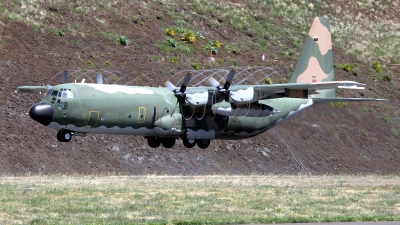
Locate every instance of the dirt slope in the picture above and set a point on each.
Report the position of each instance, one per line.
(325, 139)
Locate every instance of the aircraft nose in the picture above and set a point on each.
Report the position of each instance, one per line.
(42, 113)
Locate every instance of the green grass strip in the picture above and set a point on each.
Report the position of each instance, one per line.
(197, 199)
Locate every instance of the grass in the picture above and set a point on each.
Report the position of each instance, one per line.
(266, 21)
(111, 36)
(198, 199)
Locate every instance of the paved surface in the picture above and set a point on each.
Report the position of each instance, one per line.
(347, 223)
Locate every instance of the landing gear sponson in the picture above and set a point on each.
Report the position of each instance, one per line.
(155, 142)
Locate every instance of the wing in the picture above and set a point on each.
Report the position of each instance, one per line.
(306, 90)
(32, 89)
(302, 90)
(243, 94)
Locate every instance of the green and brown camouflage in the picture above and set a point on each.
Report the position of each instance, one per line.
(315, 63)
(194, 114)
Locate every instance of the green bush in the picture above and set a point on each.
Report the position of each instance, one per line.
(172, 42)
(62, 32)
(170, 32)
(213, 49)
(347, 67)
(268, 80)
(199, 35)
(216, 44)
(377, 67)
(189, 37)
(387, 78)
(195, 66)
(123, 40)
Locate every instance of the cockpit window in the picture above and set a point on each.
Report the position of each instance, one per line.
(54, 93)
(49, 92)
(65, 93)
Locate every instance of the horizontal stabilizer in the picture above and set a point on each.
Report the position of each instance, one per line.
(325, 100)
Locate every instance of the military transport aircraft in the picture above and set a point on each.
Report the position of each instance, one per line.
(194, 114)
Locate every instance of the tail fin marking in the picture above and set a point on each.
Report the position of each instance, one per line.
(315, 63)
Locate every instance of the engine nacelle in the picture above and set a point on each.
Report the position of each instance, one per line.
(242, 96)
(197, 99)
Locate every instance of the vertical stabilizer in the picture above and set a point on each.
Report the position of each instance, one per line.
(315, 63)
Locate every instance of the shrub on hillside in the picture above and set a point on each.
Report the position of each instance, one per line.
(189, 37)
(170, 32)
(123, 40)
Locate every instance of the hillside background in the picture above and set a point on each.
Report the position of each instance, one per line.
(39, 39)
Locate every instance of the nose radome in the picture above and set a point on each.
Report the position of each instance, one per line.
(42, 113)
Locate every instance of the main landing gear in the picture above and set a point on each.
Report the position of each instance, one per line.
(190, 143)
(203, 143)
(155, 142)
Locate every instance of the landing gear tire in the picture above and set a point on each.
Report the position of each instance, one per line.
(64, 136)
(153, 142)
(188, 143)
(168, 142)
(203, 143)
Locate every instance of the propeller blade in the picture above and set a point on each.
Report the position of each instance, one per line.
(213, 82)
(99, 78)
(185, 83)
(48, 87)
(231, 75)
(170, 86)
(64, 77)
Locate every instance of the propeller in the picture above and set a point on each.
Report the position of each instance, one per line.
(64, 77)
(223, 90)
(99, 78)
(180, 94)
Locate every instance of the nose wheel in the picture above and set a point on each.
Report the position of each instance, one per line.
(64, 135)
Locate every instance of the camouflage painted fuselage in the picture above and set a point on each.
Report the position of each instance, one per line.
(152, 111)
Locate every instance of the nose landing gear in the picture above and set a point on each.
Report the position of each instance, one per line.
(64, 135)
